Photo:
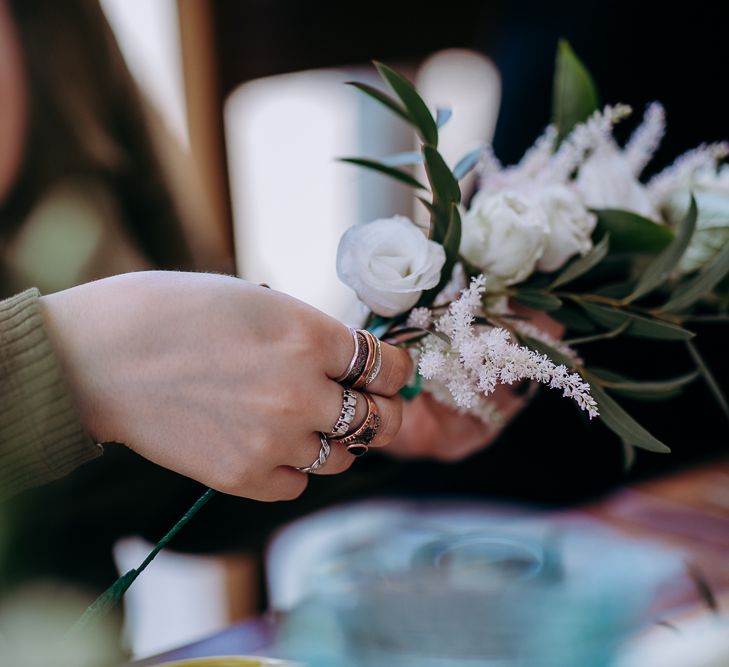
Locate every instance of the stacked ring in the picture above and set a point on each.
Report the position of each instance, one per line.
(377, 365)
(358, 361)
(346, 416)
(324, 450)
(373, 362)
(358, 442)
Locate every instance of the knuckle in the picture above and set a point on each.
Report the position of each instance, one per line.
(286, 404)
(302, 335)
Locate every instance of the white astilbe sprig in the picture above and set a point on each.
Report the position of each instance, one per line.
(421, 318)
(680, 173)
(528, 329)
(584, 139)
(533, 165)
(481, 357)
(538, 156)
(542, 164)
(487, 411)
(646, 138)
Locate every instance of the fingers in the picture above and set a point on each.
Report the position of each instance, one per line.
(338, 461)
(389, 411)
(330, 408)
(395, 371)
(284, 483)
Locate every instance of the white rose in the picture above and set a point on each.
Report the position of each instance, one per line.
(389, 263)
(570, 226)
(712, 223)
(605, 180)
(504, 236)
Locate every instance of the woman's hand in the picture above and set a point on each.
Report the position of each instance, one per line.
(431, 429)
(218, 379)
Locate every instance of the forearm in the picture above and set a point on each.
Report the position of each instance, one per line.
(41, 436)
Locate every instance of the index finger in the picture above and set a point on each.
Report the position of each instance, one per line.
(395, 370)
(395, 373)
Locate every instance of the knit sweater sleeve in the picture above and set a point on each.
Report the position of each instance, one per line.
(41, 437)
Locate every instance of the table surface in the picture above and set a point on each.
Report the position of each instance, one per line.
(688, 510)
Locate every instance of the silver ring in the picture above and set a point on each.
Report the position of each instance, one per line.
(322, 458)
(346, 373)
(346, 416)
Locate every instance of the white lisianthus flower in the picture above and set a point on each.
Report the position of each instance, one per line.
(504, 235)
(570, 226)
(606, 180)
(389, 263)
(711, 192)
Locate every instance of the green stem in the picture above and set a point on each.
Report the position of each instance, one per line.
(112, 595)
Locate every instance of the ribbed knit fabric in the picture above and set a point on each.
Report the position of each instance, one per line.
(41, 437)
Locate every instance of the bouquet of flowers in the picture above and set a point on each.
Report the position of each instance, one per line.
(570, 230)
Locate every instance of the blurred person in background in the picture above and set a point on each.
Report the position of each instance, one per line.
(90, 191)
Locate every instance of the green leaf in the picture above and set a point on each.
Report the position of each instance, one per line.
(442, 181)
(384, 169)
(582, 265)
(687, 293)
(451, 242)
(574, 320)
(403, 159)
(632, 233)
(644, 390)
(614, 417)
(427, 204)
(555, 355)
(382, 98)
(467, 163)
(538, 299)
(442, 116)
(639, 326)
(414, 105)
(613, 333)
(445, 192)
(616, 291)
(575, 95)
(621, 423)
(659, 269)
(709, 378)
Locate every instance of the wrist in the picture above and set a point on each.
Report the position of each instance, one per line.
(61, 336)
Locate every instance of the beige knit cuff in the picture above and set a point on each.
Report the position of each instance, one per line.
(41, 437)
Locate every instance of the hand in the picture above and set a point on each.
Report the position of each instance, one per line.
(215, 378)
(431, 429)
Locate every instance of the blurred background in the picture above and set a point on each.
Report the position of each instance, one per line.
(202, 135)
